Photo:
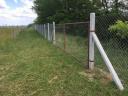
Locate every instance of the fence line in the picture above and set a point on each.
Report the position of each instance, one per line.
(10, 32)
(73, 39)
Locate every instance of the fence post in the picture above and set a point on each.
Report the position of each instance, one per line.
(91, 41)
(54, 34)
(35, 27)
(48, 31)
(64, 37)
(107, 62)
(44, 31)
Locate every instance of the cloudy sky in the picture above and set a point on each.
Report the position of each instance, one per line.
(16, 12)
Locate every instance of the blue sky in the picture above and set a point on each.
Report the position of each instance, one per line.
(14, 3)
(16, 12)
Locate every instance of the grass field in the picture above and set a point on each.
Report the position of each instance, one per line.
(8, 32)
(30, 66)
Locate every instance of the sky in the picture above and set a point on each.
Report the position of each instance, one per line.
(16, 12)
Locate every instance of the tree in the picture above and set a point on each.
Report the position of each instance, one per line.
(45, 9)
(75, 10)
(113, 6)
(63, 10)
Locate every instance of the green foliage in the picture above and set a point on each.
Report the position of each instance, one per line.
(102, 25)
(120, 28)
(63, 10)
(45, 9)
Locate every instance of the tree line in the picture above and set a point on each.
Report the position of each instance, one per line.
(62, 11)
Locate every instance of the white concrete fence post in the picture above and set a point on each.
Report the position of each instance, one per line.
(91, 41)
(54, 33)
(94, 39)
(107, 62)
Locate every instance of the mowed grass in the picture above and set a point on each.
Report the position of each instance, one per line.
(77, 47)
(31, 66)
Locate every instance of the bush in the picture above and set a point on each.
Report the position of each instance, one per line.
(120, 31)
(120, 28)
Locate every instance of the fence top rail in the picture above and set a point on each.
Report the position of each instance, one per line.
(78, 23)
(74, 23)
(87, 22)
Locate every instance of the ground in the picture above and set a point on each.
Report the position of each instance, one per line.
(31, 66)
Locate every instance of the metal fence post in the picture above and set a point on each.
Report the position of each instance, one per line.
(48, 32)
(41, 30)
(35, 27)
(54, 33)
(64, 38)
(45, 31)
(91, 41)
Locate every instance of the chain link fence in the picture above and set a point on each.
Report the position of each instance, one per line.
(73, 38)
(112, 31)
(45, 30)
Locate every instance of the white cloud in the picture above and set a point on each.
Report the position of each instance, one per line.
(27, 3)
(21, 15)
(3, 4)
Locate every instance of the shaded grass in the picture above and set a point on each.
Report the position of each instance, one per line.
(30, 66)
(74, 45)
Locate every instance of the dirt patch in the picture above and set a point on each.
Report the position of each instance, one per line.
(97, 74)
(53, 79)
(88, 75)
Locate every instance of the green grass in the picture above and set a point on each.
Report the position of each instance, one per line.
(7, 33)
(30, 66)
(74, 45)
(77, 47)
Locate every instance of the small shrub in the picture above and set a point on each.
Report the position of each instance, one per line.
(120, 28)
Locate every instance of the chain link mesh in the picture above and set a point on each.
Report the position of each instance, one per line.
(112, 33)
(73, 39)
(115, 43)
